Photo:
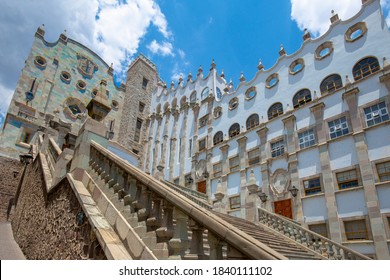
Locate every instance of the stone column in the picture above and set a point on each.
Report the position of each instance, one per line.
(328, 182)
(184, 109)
(243, 163)
(370, 193)
(225, 169)
(176, 114)
(144, 156)
(289, 124)
(262, 133)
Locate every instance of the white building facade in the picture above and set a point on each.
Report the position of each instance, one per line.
(317, 121)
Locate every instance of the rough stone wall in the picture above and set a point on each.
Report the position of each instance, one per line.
(8, 184)
(45, 226)
(134, 95)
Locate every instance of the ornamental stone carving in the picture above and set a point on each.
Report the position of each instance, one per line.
(280, 181)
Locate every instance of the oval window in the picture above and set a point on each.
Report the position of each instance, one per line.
(324, 50)
(233, 103)
(272, 80)
(250, 93)
(40, 62)
(219, 94)
(65, 76)
(81, 85)
(296, 66)
(114, 104)
(355, 32)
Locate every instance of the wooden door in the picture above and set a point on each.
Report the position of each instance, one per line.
(202, 187)
(283, 207)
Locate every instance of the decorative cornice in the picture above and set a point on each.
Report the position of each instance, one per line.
(318, 106)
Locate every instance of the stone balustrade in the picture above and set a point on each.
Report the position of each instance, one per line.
(197, 197)
(308, 238)
(171, 225)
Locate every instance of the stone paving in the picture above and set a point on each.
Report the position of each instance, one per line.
(9, 249)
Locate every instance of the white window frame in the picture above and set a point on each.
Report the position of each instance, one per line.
(277, 148)
(338, 127)
(306, 138)
(376, 114)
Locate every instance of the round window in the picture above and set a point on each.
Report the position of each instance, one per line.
(114, 104)
(94, 92)
(355, 32)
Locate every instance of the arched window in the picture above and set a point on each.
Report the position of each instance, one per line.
(183, 101)
(301, 97)
(158, 109)
(252, 121)
(365, 67)
(219, 94)
(218, 138)
(331, 84)
(234, 130)
(205, 93)
(275, 110)
(193, 96)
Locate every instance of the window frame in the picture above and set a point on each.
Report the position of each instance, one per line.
(216, 137)
(278, 148)
(346, 183)
(253, 156)
(367, 73)
(377, 111)
(252, 121)
(312, 142)
(338, 127)
(317, 189)
(363, 221)
(234, 131)
(273, 108)
(234, 163)
(202, 144)
(336, 84)
(386, 173)
(217, 169)
(299, 100)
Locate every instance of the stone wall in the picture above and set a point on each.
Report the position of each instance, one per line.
(52, 226)
(8, 183)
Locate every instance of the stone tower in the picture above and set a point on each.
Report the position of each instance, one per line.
(142, 78)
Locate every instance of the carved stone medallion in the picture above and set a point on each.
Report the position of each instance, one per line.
(279, 182)
(86, 66)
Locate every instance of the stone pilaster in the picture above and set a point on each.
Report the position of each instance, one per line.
(370, 193)
(176, 114)
(165, 137)
(243, 160)
(328, 182)
(149, 143)
(262, 133)
(195, 146)
(157, 143)
(184, 109)
(291, 137)
(225, 169)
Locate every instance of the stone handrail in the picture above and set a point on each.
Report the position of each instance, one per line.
(308, 238)
(53, 152)
(163, 217)
(194, 196)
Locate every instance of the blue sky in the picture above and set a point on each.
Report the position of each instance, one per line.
(177, 35)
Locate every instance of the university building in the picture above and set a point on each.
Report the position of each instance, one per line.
(307, 139)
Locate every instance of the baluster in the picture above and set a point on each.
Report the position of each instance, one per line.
(323, 248)
(154, 221)
(165, 233)
(338, 256)
(310, 242)
(330, 251)
(302, 236)
(292, 232)
(144, 210)
(280, 225)
(179, 243)
(119, 180)
(274, 223)
(131, 191)
(317, 245)
(215, 247)
(196, 248)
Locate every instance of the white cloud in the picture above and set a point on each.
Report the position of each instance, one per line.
(315, 14)
(163, 49)
(181, 53)
(5, 100)
(111, 28)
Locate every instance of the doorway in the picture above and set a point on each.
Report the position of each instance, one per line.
(283, 207)
(202, 186)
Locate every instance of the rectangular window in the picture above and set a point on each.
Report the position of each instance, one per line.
(25, 137)
(347, 179)
(383, 171)
(306, 138)
(217, 169)
(312, 186)
(203, 121)
(144, 83)
(376, 114)
(137, 132)
(277, 148)
(202, 144)
(338, 127)
(141, 107)
(320, 229)
(254, 156)
(234, 164)
(356, 230)
(235, 202)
